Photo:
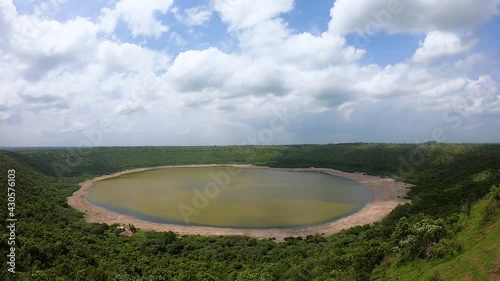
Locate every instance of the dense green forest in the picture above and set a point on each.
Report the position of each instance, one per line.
(453, 219)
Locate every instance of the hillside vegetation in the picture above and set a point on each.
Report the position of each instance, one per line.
(450, 229)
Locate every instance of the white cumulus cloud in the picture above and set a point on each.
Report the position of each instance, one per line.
(438, 44)
(396, 16)
(198, 15)
(209, 95)
(139, 16)
(240, 14)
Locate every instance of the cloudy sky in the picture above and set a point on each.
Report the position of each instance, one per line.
(172, 72)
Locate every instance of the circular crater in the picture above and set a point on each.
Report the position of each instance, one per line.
(230, 197)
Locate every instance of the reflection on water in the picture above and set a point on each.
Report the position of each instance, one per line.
(254, 198)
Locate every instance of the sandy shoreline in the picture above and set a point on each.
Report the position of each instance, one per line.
(387, 194)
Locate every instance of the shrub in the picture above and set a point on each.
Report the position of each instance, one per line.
(435, 277)
(416, 236)
(492, 205)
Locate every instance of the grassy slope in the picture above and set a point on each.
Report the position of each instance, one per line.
(478, 260)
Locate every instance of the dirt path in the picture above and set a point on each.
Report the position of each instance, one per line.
(387, 194)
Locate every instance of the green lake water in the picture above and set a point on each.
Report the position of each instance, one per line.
(230, 197)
